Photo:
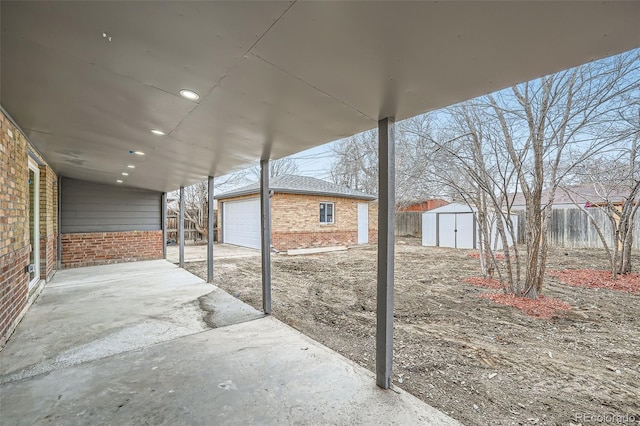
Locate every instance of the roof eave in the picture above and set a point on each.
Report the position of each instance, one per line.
(296, 192)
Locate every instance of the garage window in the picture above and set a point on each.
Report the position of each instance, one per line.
(326, 212)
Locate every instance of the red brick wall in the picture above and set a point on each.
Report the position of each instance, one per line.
(15, 247)
(292, 240)
(14, 291)
(48, 222)
(101, 248)
(48, 256)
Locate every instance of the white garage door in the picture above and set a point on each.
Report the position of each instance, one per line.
(241, 223)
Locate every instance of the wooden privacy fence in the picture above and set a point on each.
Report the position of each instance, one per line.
(409, 224)
(572, 228)
(190, 232)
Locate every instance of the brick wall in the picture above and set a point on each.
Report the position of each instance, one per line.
(293, 240)
(373, 222)
(15, 246)
(101, 248)
(295, 221)
(48, 222)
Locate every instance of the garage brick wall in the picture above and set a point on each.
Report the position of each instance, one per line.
(295, 221)
(15, 247)
(373, 222)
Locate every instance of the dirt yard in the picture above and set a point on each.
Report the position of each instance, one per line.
(478, 361)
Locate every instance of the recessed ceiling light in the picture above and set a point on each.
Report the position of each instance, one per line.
(189, 94)
(119, 181)
(125, 174)
(157, 132)
(131, 166)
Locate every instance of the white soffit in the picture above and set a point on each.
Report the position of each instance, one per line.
(274, 78)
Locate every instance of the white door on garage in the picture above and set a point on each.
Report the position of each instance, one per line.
(363, 223)
(241, 223)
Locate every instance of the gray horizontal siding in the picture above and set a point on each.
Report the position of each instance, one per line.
(113, 215)
(92, 207)
(140, 205)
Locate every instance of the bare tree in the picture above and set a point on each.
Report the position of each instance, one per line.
(416, 158)
(283, 166)
(529, 138)
(478, 171)
(559, 119)
(356, 162)
(615, 183)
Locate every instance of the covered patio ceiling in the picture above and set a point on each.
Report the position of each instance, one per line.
(87, 81)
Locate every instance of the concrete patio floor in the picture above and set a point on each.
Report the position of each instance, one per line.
(149, 343)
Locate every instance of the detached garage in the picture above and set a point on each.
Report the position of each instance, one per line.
(456, 225)
(305, 212)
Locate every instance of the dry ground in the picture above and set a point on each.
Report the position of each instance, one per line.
(480, 362)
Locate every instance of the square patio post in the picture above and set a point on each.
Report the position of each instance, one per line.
(181, 228)
(163, 206)
(59, 218)
(386, 241)
(210, 229)
(265, 225)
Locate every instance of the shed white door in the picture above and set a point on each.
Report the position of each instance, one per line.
(241, 223)
(465, 227)
(447, 230)
(363, 223)
(456, 230)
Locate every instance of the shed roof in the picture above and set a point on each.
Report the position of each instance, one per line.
(294, 184)
(452, 208)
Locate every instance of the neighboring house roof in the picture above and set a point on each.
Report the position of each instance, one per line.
(293, 184)
(592, 193)
(453, 208)
(422, 206)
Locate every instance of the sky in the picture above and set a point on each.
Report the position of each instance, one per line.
(315, 162)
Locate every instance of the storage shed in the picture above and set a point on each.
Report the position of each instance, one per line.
(456, 225)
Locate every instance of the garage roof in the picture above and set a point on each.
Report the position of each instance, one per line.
(292, 184)
(87, 81)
